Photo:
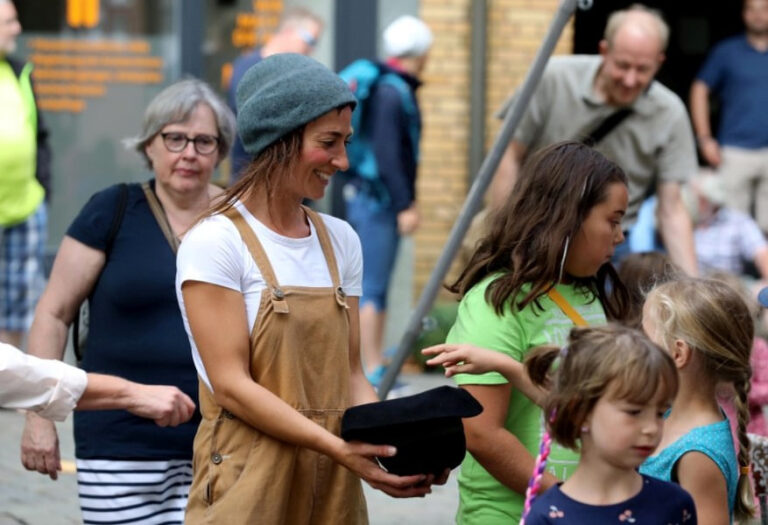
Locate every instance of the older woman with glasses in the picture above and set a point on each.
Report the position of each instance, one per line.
(120, 254)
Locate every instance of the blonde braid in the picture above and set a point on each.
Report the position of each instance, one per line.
(744, 507)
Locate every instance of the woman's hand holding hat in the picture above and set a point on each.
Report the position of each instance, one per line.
(360, 458)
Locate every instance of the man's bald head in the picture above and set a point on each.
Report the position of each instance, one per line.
(640, 21)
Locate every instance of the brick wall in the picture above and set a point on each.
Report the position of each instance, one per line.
(515, 29)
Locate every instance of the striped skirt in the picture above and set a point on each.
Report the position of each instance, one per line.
(136, 492)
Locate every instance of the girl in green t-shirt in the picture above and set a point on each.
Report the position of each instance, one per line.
(550, 244)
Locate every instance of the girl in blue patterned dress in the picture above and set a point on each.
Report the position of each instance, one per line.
(707, 330)
(608, 391)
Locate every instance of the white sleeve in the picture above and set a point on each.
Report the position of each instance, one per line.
(211, 253)
(352, 271)
(46, 386)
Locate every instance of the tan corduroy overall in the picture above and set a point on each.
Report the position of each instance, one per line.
(300, 352)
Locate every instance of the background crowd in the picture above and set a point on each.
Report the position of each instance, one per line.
(249, 305)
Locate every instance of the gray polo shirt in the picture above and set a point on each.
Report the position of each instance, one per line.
(655, 143)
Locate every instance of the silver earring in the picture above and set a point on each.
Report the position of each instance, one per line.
(584, 429)
(562, 261)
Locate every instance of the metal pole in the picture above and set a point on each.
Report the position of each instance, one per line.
(476, 192)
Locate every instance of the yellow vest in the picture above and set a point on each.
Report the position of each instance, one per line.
(20, 192)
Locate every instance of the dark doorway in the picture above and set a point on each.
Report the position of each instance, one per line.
(695, 26)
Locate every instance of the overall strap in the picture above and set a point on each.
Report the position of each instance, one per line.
(566, 307)
(330, 257)
(160, 217)
(260, 257)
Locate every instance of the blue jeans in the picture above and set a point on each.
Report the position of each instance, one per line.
(376, 225)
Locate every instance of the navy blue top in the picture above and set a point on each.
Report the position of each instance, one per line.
(135, 330)
(658, 502)
(738, 74)
(243, 63)
(390, 132)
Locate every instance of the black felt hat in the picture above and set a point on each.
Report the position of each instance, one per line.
(426, 428)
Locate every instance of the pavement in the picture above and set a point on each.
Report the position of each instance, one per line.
(33, 499)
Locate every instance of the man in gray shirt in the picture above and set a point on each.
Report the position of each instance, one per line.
(654, 144)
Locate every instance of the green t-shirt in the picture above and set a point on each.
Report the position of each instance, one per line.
(483, 499)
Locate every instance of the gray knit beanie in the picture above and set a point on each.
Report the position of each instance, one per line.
(283, 92)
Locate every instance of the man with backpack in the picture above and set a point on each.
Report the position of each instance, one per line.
(383, 157)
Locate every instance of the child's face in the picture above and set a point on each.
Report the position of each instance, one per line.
(622, 434)
(599, 235)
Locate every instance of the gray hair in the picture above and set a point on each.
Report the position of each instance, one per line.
(617, 19)
(175, 104)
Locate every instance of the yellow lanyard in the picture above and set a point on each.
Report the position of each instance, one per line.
(566, 307)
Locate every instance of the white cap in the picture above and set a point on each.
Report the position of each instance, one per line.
(407, 36)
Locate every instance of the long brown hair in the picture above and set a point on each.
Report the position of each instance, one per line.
(555, 191)
(275, 161)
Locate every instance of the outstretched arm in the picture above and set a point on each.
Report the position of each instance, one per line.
(469, 359)
(166, 405)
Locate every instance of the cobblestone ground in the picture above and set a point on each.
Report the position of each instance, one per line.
(34, 499)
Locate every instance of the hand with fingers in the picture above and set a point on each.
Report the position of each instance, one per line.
(40, 446)
(360, 458)
(166, 405)
(466, 359)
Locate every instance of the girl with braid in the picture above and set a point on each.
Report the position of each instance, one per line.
(609, 388)
(707, 329)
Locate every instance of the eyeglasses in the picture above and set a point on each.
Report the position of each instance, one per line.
(177, 142)
(306, 37)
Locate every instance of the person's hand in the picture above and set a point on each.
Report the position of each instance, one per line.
(166, 405)
(464, 359)
(40, 446)
(710, 150)
(408, 220)
(360, 458)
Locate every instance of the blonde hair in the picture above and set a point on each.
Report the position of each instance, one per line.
(713, 320)
(617, 19)
(610, 359)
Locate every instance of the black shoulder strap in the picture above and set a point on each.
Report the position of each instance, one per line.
(117, 220)
(606, 126)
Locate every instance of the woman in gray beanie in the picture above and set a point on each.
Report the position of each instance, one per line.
(269, 292)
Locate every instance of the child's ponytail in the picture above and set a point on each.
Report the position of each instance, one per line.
(744, 506)
(539, 364)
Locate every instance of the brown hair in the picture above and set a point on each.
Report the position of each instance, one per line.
(554, 192)
(713, 320)
(274, 161)
(609, 359)
(640, 273)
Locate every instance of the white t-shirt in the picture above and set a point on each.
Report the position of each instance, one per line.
(214, 252)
